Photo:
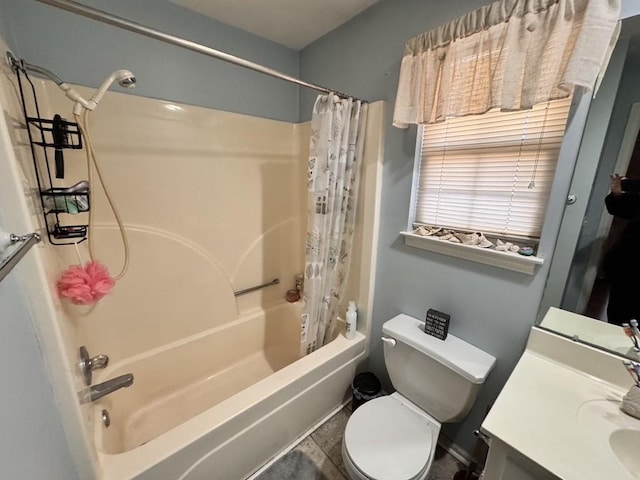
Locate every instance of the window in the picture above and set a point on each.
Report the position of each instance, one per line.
(490, 173)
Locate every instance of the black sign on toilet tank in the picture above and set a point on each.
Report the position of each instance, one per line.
(437, 324)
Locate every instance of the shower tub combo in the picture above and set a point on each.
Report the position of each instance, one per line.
(220, 387)
(223, 402)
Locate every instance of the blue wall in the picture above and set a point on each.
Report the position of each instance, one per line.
(490, 307)
(5, 24)
(84, 52)
(32, 443)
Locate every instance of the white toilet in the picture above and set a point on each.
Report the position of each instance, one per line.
(394, 437)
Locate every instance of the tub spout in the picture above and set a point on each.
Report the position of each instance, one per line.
(96, 392)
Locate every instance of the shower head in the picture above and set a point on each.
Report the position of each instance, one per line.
(124, 78)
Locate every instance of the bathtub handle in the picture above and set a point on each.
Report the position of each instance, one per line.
(88, 364)
(390, 341)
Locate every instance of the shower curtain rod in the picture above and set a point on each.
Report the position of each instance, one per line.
(104, 17)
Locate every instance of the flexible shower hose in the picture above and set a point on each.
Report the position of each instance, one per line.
(83, 123)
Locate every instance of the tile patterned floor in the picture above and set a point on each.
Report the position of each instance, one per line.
(319, 456)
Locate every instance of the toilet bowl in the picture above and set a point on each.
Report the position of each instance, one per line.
(394, 437)
(389, 438)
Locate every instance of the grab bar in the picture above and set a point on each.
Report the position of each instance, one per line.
(7, 264)
(275, 281)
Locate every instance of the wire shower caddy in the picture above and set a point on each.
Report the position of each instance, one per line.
(56, 202)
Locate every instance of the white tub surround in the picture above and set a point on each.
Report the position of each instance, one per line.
(233, 438)
(178, 381)
(557, 414)
(218, 387)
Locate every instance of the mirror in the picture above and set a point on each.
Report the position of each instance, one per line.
(583, 287)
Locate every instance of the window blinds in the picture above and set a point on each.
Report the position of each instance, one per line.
(491, 173)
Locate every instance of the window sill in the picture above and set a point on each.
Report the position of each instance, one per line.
(496, 258)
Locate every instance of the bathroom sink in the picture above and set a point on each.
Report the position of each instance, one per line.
(602, 420)
(577, 429)
(624, 444)
(598, 416)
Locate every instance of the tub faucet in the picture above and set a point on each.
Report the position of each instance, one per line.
(96, 392)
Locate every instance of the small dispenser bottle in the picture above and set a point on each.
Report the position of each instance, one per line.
(351, 321)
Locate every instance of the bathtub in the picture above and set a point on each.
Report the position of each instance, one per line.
(220, 404)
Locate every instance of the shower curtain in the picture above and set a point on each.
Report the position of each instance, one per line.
(335, 158)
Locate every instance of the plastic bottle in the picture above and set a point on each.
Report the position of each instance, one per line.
(351, 321)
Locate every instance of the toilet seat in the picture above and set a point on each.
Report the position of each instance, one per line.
(387, 440)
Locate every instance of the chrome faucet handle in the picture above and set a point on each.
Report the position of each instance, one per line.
(88, 364)
(96, 392)
(99, 361)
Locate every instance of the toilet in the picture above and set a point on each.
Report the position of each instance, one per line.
(394, 437)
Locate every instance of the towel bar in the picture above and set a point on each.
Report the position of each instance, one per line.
(275, 281)
(28, 241)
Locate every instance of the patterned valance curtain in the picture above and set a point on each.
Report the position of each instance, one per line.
(510, 55)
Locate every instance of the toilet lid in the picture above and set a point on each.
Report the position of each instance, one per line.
(388, 441)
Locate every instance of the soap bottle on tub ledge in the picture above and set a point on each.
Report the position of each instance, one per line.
(351, 320)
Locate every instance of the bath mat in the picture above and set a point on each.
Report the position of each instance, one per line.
(295, 465)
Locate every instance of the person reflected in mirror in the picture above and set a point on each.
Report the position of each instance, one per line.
(622, 261)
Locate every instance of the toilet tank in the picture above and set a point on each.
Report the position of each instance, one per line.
(442, 377)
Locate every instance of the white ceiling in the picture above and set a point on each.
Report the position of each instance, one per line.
(293, 23)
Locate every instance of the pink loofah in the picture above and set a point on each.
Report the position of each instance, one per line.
(85, 284)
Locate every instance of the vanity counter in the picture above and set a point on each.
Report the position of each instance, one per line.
(560, 417)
